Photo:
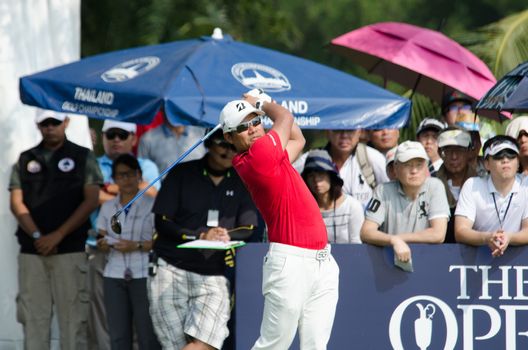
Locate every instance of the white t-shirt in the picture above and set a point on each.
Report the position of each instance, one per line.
(343, 224)
(137, 225)
(476, 203)
(355, 183)
(455, 190)
(437, 164)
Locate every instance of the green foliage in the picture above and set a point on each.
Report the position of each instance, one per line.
(166, 20)
(105, 28)
(422, 107)
(502, 45)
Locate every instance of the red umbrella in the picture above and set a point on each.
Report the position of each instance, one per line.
(422, 59)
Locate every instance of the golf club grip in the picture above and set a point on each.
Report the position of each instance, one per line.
(185, 154)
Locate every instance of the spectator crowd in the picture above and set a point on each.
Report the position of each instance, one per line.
(136, 289)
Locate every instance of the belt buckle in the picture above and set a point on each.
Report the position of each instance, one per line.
(322, 254)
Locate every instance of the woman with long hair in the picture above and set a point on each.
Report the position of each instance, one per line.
(342, 214)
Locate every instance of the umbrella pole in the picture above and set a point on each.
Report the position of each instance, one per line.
(415, 86)
(371, 69)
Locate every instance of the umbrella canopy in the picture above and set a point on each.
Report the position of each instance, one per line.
(193, 79)
(421, 59)
(510, 94)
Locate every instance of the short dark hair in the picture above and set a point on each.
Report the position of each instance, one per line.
(217, 135)
(126, 159)
(454, 96)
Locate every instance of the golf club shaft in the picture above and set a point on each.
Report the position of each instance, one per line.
(176, 162)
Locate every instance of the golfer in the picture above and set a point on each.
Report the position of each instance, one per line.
(300, 277)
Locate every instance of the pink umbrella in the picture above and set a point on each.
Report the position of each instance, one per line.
(422, 59)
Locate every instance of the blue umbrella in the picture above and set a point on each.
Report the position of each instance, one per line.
(509, 94)
(193, 79)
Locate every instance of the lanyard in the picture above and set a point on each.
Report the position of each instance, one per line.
(497, 209)
(333, 221)
(127, 262)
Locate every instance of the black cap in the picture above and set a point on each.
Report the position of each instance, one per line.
(455, 96)
(430, 124)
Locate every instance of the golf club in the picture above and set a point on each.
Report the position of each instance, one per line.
(115, 224)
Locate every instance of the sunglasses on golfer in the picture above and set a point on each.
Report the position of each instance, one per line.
(50, 121)
(113, 133)
(244, 126)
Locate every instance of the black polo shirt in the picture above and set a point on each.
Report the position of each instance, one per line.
(185, 197)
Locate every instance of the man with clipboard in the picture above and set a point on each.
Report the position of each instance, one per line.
(189, 295)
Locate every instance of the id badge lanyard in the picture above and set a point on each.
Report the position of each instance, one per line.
(127, 274)
(501, 221)
(213, 214)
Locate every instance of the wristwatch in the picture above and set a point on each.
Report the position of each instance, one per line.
(259, 105)
(36, 235)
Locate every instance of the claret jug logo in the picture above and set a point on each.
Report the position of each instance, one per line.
(130, 69)
(259, 76)
(426, 317)
(490, 312)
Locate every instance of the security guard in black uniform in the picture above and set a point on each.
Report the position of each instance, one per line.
(54, 188)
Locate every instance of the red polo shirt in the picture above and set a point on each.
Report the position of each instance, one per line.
(278, 190)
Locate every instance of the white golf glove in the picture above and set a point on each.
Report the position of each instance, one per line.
(260, 94)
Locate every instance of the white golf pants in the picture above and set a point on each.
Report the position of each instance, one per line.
(300, 288)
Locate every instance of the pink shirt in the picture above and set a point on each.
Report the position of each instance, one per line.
(278, 190)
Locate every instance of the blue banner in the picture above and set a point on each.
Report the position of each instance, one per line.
(458, 297)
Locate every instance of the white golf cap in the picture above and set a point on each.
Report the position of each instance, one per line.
(46, 114)
(430, 124)
(409, 150)
(516, 126)
(389, 156)
(234, 113)
(113, 124)
(454, 137)
(499, 143)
